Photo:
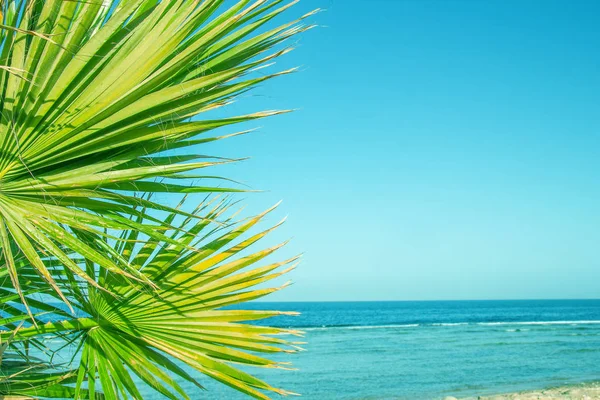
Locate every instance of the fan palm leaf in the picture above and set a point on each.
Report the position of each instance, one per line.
(189, 319)
(92, 93)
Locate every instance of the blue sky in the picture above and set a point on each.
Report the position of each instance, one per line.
(443, 150)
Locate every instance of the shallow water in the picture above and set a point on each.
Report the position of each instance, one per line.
(428, 350)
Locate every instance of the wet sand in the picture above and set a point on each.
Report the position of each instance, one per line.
(587, 391)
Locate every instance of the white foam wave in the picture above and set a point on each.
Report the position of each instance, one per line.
(446, 324)
(359, 327)
(540, 323)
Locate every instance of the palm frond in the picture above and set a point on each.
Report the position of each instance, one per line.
(92, 93)
(189, 318)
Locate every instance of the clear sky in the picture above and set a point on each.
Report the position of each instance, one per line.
(443, 150)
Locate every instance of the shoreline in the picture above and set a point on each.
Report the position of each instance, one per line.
(579, 391)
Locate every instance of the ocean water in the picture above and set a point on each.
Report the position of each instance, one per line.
(429, 350)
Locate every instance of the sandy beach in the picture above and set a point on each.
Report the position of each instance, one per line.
(586, 391)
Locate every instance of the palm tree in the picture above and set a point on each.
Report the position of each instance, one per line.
(101, 107)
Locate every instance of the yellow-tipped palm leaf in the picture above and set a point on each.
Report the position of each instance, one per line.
(189, 319)
(91, 93)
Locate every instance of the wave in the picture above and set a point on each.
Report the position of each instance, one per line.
(539, 323)
(445, 324)
(359, 327)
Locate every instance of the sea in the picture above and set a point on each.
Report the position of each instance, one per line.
(433, 349)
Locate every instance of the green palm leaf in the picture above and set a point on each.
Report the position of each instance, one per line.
(100, 103)
(92, 93)
(144, 332)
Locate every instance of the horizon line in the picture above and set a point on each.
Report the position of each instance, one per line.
(422, 300)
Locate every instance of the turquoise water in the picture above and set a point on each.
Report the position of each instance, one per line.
(428, 350)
